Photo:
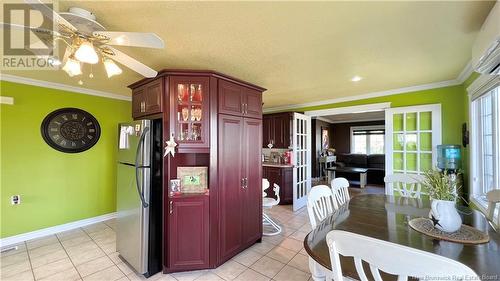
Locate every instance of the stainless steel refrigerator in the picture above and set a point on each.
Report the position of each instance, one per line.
(139, 195)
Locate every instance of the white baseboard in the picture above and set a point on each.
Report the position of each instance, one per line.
(7, 241)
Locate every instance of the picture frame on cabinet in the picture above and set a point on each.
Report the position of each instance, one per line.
(193, 179)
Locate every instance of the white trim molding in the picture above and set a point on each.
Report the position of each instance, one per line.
(350, 109)
(463, 75)
(12, 240)
(59, 86)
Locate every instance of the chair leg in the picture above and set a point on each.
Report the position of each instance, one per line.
(317, 271)
(266, 220)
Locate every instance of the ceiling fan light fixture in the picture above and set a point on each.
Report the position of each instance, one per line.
(86, 53)
(111, 67)
(72, 67)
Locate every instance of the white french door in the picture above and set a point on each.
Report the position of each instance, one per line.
(412, 135)
(301, 159)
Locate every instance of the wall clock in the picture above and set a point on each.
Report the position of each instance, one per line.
(70, 130)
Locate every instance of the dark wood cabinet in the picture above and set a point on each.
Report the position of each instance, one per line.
(282, 176)
(188, 232)
(277, 129)
(238, 100)
(147, 99)
(216, 122)
(240, 183)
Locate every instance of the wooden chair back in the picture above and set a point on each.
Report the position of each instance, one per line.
(391, 258)
(405, 184)
(320, 204)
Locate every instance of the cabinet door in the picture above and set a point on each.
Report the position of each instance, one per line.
(286, 191)
(266, 130)
(138, 102)
(274, 177)
(230, 185)
(153, 96)
(253, 103)
(279, 131)
(230, 98)
(252, 171)
(189, 99)
(188, 236)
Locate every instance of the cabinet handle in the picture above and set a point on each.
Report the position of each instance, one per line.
(242, 108)
(246, 182)
(246, 108)
(243, 183)
(171, 207)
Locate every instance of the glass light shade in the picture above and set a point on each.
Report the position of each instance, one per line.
(72, 67)
(86, 53)
(111, 68)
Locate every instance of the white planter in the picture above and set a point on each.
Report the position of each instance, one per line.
(445, 215)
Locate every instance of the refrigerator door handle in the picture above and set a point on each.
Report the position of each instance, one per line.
(137, 167)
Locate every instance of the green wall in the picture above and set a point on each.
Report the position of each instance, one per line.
(454, 110)
(55, 187)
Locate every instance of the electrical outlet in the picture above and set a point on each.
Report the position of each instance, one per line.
(15, 199)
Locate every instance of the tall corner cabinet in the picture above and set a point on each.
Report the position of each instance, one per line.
(216, 121)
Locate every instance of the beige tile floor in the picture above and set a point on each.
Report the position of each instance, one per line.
(89, 253)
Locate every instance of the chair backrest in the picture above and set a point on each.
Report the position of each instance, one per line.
(340, 188)
(391, 258)
(265, 184)
(493, 198)
(406, 185)
(320, 204)
(276, 189)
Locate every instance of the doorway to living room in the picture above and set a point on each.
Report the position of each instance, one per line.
(349, 142)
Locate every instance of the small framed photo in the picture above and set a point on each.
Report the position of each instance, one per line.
(193, 179)
(175, 186)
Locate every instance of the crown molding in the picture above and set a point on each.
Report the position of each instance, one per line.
(441, 84)
(464, 74)
(59, 86)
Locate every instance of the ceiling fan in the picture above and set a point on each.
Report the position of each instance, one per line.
(87, 41)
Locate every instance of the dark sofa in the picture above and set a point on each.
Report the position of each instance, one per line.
(375, 163)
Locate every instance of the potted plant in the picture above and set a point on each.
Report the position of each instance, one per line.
(443, 192)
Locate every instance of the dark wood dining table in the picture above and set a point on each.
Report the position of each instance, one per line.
(386, 217)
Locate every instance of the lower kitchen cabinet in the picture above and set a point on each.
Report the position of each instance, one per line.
(282, 176)
(188, 232)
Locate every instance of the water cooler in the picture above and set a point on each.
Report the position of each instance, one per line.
(449, 161)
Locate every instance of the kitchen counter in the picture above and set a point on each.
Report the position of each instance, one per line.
(277, 165)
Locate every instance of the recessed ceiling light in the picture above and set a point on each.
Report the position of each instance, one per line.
(356, 78)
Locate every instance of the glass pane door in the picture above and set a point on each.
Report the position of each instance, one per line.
(412, 136)
(190, 106)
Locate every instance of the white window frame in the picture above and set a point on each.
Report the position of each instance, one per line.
(371, 127)
(482, 86)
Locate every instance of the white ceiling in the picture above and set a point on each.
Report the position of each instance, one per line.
(300, 51)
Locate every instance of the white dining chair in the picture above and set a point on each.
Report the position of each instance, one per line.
(493, 198)
(340, 188)
(268, 203)
(391, 258)
(320, 204)
(405, 184)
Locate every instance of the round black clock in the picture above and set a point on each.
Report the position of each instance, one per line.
(70, 130)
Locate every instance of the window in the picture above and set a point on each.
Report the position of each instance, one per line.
(367, 140)
(485, 138)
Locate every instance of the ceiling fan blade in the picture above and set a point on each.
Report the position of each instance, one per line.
(132, 63)
(51, 14)
(41, 31)
(133, 39)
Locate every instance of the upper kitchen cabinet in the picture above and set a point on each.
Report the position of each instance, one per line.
(239, 100)
(147, 99)
(277, 129)
(189, 111)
